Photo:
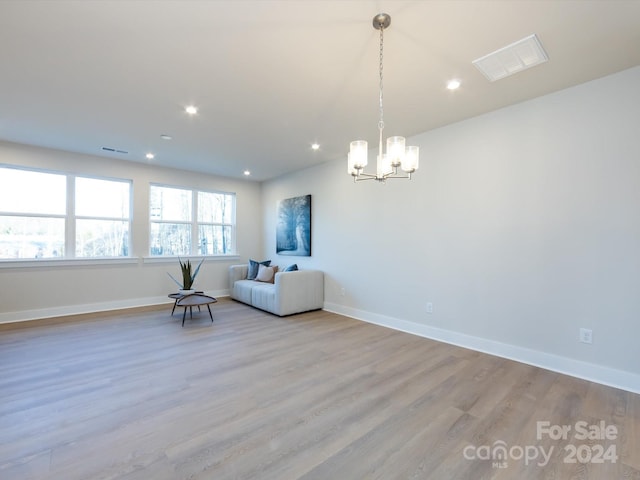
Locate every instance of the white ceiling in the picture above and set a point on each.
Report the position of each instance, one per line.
(272, 77)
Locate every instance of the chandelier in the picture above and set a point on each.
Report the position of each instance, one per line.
(397, 156)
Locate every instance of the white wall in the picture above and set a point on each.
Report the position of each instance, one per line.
(51, 290)
(521, 226)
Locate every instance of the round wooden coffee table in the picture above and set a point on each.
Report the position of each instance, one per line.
(197, 299)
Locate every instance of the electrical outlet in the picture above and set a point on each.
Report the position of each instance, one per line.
(586, 335)
(429, 307)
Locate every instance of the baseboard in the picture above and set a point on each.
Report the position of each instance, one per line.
(576, 368)
(63, 311)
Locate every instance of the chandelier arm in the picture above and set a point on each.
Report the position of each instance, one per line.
(371, 177)
(395, 174)
(392, 175)
(361, 177)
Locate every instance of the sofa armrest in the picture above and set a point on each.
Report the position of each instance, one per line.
(299, 291)
(237, 272)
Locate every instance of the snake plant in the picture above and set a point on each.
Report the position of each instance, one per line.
(187, 276)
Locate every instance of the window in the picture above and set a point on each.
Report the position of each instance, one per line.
(32, 214)
(178, 216)
(102, 217)
(49, 215)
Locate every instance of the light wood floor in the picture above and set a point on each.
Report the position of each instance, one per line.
(313, 396)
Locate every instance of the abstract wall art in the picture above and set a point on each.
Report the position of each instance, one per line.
(293, 227)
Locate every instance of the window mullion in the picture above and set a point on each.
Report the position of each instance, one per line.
(233, 225)
(195, 238)
(70, 221)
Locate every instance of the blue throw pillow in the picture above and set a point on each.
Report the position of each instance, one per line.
(252, 272)
(291, 268)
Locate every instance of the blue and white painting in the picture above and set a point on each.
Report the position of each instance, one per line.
(293, 228)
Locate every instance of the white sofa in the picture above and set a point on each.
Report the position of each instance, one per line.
(291, 292)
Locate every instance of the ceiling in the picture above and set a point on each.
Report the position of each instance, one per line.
(272, 77)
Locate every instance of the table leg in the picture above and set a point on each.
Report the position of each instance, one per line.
(211, 316)
(184, 314)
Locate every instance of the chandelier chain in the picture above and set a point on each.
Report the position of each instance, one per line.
(381, 122)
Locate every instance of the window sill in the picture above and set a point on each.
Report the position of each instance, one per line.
(66, 262)
(80, 262)
(196, 258)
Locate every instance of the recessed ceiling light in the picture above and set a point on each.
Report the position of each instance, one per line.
(150, 156)
(164, 136)
(315, 146)
(453, 84)
(247, 173)
(191, 110)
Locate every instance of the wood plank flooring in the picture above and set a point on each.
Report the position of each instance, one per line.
(132, 395)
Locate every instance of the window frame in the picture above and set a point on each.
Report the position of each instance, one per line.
(70, 218)
(128, 219)
(194, 250)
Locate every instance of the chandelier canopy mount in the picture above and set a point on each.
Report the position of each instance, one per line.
(381, 21)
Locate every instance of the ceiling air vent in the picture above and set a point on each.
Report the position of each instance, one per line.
(114, 150)
(514, 58)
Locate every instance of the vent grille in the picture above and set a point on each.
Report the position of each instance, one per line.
(114, 150)
(514, 58)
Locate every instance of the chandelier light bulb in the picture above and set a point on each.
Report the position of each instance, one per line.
(384, 166)
(358, 154)
(395, 150)
(411, 159)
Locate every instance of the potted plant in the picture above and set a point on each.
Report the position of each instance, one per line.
(188, 276)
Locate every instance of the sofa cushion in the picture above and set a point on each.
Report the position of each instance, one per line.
(263, 296)
(242, 290)
(291, 268)
(253, 268)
